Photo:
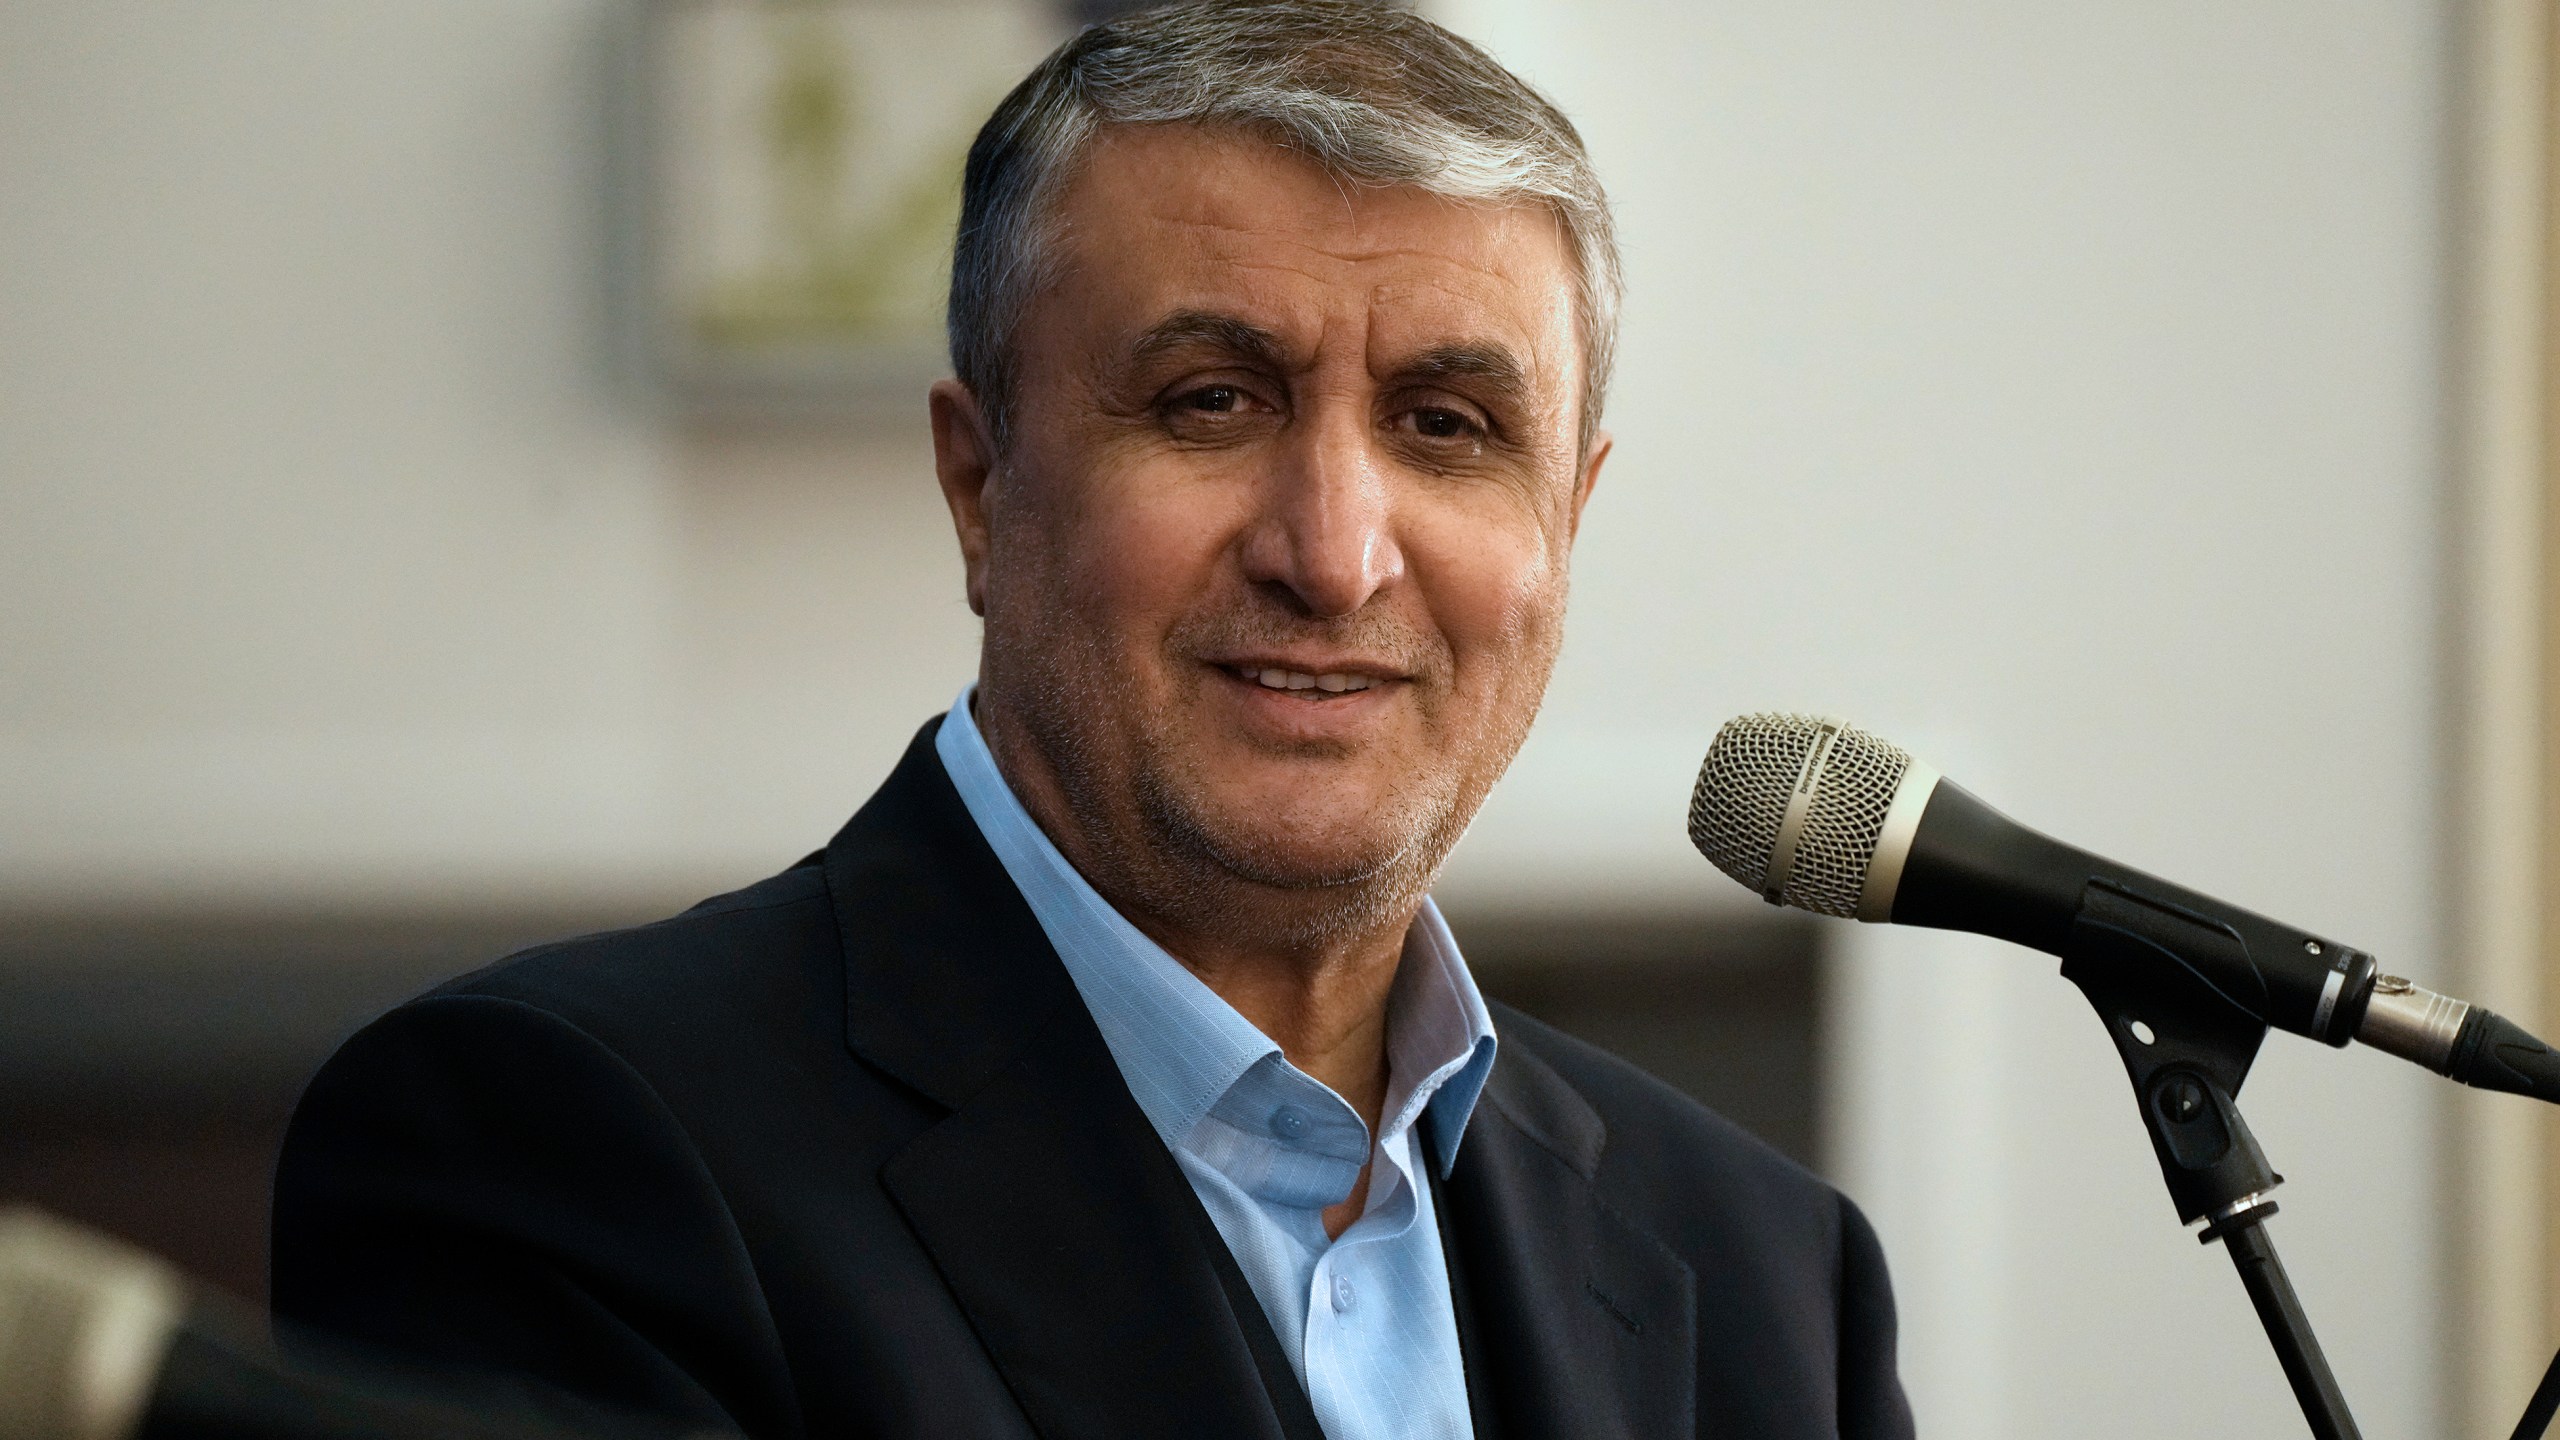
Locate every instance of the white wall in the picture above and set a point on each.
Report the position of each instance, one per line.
(2052, 387)
(2055, 388)
(333, 564)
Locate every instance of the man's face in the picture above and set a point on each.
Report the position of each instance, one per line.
(1274, 570)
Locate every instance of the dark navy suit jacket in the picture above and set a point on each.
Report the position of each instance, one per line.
(842, 1155)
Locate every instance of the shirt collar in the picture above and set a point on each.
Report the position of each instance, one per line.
(1180, 1047)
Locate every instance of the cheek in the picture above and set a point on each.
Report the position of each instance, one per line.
(1120, 560)
(1497, 593)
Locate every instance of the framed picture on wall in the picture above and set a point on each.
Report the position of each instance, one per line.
(803, 181)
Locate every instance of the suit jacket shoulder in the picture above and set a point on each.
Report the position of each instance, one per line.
(1625, 1231)
(1669, 1161)
(676, 998)
(521, 1173)
(767, 1165)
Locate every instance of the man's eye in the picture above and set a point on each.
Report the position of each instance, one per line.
(1215, 399)
(1442, 424)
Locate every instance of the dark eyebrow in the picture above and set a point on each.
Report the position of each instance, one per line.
(1489, 365)
(1204, 329)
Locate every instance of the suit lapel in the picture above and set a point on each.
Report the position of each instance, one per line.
(1055, 1214)
(1065, 1241)
(1586, 1323)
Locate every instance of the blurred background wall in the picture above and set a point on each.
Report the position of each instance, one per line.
(2059, 389)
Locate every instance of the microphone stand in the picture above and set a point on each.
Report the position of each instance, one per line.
(2187, 1048)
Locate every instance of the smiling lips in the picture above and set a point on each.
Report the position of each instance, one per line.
(1273, 678)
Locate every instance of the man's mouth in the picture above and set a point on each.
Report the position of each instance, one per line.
(1269, 678)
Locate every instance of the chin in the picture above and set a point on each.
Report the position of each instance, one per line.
(1289, 863)
(1375, 842)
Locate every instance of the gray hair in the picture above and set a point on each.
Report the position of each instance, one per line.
(1373, 94)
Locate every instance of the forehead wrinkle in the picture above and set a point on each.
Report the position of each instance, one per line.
(1341, 251)
(1209, 211)
(1311, 256)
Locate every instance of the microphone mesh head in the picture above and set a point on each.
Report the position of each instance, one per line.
(1741, 803)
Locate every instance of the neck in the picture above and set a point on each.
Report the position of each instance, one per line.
(1330, 1019)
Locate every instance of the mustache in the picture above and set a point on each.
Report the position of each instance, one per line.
(1264, 625)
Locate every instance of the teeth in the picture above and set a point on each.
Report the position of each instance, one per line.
(1336, 682)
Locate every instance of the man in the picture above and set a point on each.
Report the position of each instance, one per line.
(1111, 1073)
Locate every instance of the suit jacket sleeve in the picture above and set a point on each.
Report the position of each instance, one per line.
(477, 1182)
(1872, 1405)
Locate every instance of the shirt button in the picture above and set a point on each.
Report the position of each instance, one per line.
(1344, 1297)
(1288, 1122)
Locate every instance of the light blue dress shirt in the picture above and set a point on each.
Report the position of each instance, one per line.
(1365, 1318)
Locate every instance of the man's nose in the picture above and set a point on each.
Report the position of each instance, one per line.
(1325, 530)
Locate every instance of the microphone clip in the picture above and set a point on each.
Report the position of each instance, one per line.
(2149, 969)
(2186, 1045)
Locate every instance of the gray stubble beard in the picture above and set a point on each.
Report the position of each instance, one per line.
(1204, 863)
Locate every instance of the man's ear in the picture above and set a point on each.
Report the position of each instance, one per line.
(1589, 477)
(964, 460)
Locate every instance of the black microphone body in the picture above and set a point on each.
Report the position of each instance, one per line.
(1974, 869)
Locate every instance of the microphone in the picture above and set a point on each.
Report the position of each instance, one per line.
(100, 1341)
(1817, 814)
(84, 1326)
